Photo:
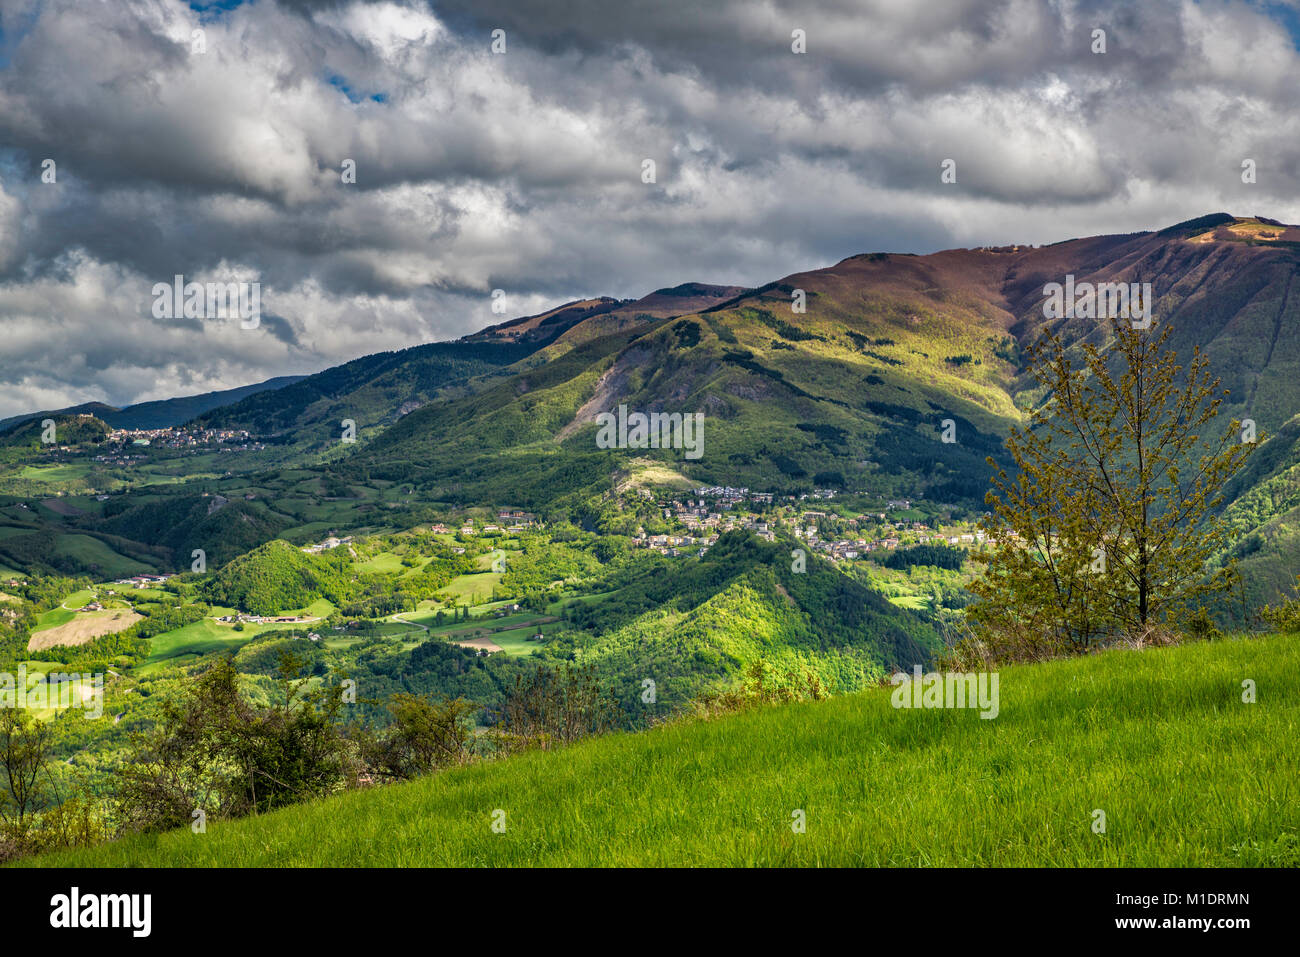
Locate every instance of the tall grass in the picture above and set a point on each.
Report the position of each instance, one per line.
(1158, 740)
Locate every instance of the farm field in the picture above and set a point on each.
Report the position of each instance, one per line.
(385, 563)
(83, 627)
(70, 472)
(94, 553)
(510, 633)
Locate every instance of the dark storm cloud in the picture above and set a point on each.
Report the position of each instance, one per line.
(522, 171)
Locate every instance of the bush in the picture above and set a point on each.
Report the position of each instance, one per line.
(761, 686)
(1286, 616)
(1201, 627)
(425, 735)
(555, 706)
(213, 751)
(33, 815)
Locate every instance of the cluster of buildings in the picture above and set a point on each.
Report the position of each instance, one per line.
(728, 496)
(508, 520)
(725, 493)
(917, 533)
(142, 581)
(264, 619)
(122, 458)
(675, 544)
(718, 509)
(698, 516)
(326, 545)
(517, 518)
(703, 527)
(170, 438)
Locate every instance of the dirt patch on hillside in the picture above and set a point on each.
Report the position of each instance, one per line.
(483, 643)
(611, 386)
(60, 507)
(84, 628)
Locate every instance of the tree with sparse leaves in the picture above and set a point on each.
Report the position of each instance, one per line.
(1109, 526)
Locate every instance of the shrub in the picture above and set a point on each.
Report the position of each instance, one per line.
(425, 735)
(555, 706)
(761, 686)
(1286, 616)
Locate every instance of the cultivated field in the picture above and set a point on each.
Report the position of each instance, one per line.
(85, 626)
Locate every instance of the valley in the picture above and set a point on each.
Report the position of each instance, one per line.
(478, 533)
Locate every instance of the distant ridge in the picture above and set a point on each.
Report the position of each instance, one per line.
(160, 413)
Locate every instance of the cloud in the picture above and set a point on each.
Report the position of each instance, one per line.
(522, 170)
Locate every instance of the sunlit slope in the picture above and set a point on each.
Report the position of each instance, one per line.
(1160, 742)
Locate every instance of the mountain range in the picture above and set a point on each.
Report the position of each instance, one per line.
(843, 377)
(159, 413)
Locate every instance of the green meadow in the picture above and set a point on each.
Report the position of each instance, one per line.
(1158, 746)
(472, 589)
(187, 643)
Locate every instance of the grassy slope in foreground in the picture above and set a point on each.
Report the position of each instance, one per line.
(1160, 740)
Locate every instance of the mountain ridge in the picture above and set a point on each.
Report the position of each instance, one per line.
(157, 413)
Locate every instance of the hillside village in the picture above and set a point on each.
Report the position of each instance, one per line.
(715, 510)
(697, 521)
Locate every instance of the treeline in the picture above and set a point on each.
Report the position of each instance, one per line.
(939, 556)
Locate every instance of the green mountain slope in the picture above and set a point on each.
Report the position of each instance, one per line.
(1160, 741)
(70, 430)
(855, 392)
(223, 528)
(372, 390)
(695, 625)
(377, 390)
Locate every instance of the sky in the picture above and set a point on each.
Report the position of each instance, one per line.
(502, 145)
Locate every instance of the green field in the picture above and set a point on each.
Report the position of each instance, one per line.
(93, 553)
(510, 632)
(385, 563)
(516, 641)
(472, 589)
(185, 644)
(320, 608)
(1160, 741)
(54, 473)
(64, 612)
(53, 618)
